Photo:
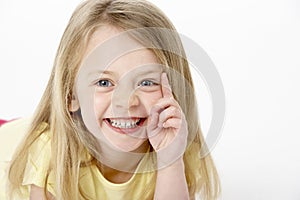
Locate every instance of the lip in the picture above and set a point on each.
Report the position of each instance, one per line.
(126, 130)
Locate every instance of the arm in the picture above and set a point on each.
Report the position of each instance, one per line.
(171, 182)
(167, 132)
(37, 193)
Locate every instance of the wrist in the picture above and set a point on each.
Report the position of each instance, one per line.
(170, 164)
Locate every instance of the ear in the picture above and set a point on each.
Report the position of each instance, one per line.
(74, 104)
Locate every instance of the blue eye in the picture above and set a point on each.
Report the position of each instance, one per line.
(147, 83)
(104, 83)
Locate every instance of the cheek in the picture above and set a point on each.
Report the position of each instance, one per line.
(101, 103)
(149, 99)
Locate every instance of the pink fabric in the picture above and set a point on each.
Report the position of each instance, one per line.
(2, 121)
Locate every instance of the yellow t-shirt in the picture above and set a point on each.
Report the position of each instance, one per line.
(92, 183)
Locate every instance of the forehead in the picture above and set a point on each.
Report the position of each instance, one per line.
(142, 59)
(113, 48)
(102, 34)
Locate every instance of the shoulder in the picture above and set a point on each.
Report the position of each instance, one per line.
(39, 152)
(11, 135)
(38, 155)
(37, 168)
(14, 132)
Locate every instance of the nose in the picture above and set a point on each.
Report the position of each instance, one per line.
(125, 98)
(133, 100)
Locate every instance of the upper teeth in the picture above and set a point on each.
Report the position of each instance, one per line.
(131, 123)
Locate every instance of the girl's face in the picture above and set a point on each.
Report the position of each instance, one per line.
(117, 85)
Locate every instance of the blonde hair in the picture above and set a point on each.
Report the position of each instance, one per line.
(67, 142)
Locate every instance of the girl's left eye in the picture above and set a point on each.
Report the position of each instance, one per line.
(104, 83)
(147, 83)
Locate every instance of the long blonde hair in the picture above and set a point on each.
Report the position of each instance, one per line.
(67, 143)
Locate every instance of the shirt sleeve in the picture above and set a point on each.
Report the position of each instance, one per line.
(37, 167)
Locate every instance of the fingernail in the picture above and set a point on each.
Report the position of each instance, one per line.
(164, 75)
(150, 118)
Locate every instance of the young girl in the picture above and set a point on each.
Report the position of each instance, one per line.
(118, 118)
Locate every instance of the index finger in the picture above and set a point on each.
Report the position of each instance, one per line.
(165, 86)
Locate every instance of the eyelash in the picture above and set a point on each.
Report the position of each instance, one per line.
(152, 83)
(109, 82)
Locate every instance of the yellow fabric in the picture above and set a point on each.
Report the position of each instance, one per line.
(92, 183)
(11, 134)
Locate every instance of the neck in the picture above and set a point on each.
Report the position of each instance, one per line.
(114, 160)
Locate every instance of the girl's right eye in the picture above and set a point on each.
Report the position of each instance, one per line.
(104, 83)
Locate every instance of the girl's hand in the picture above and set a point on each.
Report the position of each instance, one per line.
(167, 130)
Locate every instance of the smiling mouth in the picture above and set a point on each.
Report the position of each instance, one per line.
(125, 123)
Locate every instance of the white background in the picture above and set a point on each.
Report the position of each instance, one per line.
(255, 46)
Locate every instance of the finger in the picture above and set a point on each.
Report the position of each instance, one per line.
(153, 121)
(162, 104)
(172, 123)
(171, 112)
(165, 86)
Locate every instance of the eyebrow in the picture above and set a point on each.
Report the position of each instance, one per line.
(139, 73)
(101, 72)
